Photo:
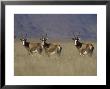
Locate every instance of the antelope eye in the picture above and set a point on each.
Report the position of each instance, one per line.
(72, 38)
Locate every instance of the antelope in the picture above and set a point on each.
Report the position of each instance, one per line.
(83, 48)
(31, 47)
(50, 48)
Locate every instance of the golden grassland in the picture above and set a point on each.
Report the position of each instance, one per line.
(70, 63)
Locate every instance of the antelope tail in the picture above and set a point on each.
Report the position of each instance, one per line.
(91, 51)
(91, 47)
(59, 49)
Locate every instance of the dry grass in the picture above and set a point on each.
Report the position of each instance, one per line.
(70, 63)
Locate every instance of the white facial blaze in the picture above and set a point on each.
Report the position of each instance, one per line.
(42, 44)
(58, 47)
(75, 43)
(90, 47)
(23, 42)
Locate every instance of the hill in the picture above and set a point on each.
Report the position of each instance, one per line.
(59, 26)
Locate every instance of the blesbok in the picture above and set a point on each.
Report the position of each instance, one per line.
(31, 47)
(50, 48)
(83, 48)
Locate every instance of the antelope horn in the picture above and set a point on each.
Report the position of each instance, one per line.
(78, 34)
(21, 35)
(26, 35)
(42, 36)
(74, 35)
(46, 35)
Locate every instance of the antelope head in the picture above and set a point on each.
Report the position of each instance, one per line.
(44, 39)
(76, 38)
(23, 39)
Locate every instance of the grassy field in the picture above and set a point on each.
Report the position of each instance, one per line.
(70, 63)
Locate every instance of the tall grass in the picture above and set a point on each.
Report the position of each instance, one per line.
(70, 63)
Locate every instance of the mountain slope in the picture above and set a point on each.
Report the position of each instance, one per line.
(56, 25)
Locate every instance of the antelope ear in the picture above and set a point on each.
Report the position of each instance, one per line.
(72, 38)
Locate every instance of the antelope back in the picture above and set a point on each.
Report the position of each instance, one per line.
(34, 45)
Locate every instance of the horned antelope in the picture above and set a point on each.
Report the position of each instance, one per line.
(50, 48)
(84, 48)
(31, 47)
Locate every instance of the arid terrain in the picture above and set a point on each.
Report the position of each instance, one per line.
(70, 63)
